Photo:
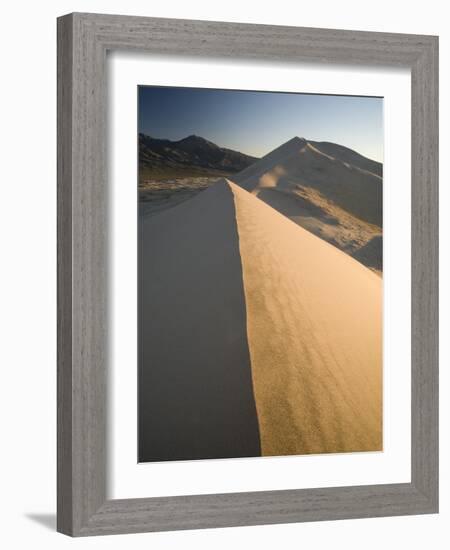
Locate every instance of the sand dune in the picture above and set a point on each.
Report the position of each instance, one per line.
(256, 336)
(297, 162)
(314, 334)
(249, 178)
(338, 201)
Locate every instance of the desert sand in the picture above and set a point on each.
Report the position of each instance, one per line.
(298, 162)
(257, 337)
(326, 188)
(314, 331)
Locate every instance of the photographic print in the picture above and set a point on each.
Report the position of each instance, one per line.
(260, 220)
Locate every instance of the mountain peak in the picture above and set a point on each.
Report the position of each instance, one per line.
(297, 139)
(292, 144)
(196, 142)
(193, 137)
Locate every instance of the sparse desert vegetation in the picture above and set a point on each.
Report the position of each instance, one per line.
(158, 195)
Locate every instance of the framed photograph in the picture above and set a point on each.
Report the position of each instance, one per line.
(247, 274)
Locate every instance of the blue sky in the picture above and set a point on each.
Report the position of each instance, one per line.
(257, 122)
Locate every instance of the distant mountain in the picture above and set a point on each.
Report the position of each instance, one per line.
(192, 152)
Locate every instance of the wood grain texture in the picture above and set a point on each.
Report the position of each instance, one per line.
(425, 266)
(64, 251)
(83, 40)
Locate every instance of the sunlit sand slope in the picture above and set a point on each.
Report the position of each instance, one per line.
(314, 334)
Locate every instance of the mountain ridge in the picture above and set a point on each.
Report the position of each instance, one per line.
(194, 150)
(190, 152)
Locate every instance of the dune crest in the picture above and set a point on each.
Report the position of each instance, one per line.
(256, 337)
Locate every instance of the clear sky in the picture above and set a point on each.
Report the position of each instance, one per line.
(257, 122)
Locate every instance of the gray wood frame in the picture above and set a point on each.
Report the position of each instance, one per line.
(83, 40)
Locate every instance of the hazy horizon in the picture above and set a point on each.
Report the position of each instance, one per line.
(255, 123)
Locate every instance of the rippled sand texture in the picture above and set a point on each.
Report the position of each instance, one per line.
(314, 326)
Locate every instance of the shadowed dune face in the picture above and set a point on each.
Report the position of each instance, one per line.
(371, 254)
(196, 395)
(314, 325)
